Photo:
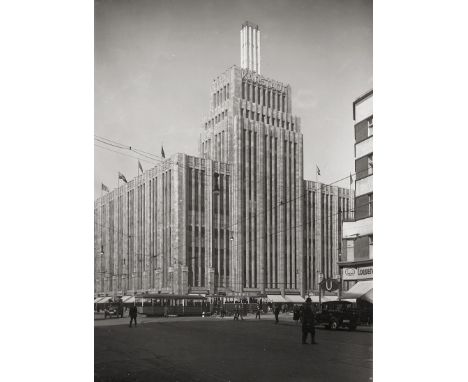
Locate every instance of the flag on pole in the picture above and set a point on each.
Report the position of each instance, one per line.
(104, 187)
(140, 166)
(162, 152)
(318, 170)
(350, 179)
(121, 176)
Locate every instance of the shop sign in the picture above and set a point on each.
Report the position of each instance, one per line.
(360, 273)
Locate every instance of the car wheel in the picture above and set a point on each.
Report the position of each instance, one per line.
(333, 325)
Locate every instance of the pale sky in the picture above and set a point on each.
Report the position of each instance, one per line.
(155, 60)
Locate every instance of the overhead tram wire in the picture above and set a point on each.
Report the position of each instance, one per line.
(157, 157)
(323, 185)
(257, 213)
(263, 236)
(124, 154)
(275, 233)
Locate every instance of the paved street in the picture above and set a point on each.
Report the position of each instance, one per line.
(213, 349)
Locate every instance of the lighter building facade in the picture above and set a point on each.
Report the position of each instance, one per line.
(268, 231)
(358, 238)
(164, 231)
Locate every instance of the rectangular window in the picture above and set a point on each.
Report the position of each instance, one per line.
(254, 91)
(364, 166)
(363, 207)
(361, 131)
(243, 90)
(361, 248)
(248, 92)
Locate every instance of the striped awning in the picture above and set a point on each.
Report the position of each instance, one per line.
(103, 300)
(362, 289)
(276, 298)
(294, 298)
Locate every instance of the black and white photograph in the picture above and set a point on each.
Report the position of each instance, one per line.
(233, 217)
(188, 190)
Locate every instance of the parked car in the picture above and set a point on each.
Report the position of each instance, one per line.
(113, 311)
(339, 314)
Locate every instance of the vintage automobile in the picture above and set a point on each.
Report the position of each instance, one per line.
(113, 311)
(339, 314)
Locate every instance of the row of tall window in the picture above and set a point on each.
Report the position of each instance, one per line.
(220, 96)
(263, 96)
(216, 119)
(276, 122)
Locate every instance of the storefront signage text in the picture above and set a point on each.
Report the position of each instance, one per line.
(358, 273)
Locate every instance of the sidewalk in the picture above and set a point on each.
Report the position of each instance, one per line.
(284, 319)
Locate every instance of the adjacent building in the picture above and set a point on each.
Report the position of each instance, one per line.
(357, 257)
(238, 219)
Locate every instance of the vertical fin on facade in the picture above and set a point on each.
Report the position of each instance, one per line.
(250, 47)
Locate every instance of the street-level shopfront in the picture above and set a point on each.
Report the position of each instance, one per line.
(357, 279)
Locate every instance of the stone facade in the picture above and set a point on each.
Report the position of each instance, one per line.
(161, 232)
(266, 231)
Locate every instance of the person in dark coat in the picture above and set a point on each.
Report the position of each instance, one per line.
(296, 314)
(133, 315)
(308, 322)
(257, 313)
(277, 312)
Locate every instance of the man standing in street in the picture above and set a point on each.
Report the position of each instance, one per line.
(308, 322)
(277, 311)
(133, 315)
(257, 314)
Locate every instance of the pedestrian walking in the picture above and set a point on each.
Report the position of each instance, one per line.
(257, 314)
(296, 314)
(308, 322)
(133, 315)
(277, 312)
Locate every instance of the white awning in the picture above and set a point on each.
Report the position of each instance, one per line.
(128, 299)
(369, 296)
(316, 299)
(276, 298)
(360, 290)
(96, 300)
(295, 298)
(104, 300)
